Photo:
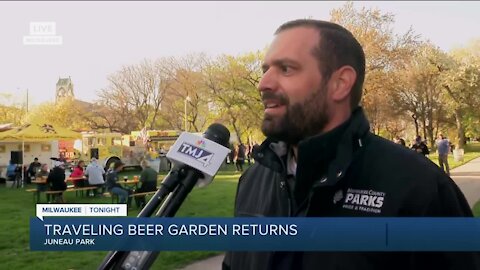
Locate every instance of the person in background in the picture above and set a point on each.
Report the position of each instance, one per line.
(255, 148)
(443, 148)
(452, 146)
(248, 153)
(420, 147)
(114, 187)
(42, 175)
(232, 154)
(148, 180)
(33, 168)
(78, 174)
(62, 158)
(399, 140)
(240, 157)
(56, 180)
(11, 171)
(94, 173)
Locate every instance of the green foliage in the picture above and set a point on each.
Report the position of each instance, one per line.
(410, 81)
(232, 83)
(65, 113)
(11, 111)
(385, 53)
(476, 209)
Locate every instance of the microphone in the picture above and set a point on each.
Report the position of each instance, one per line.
(195, 160)
(204, 154)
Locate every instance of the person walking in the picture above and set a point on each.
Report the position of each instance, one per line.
(443, 148)
(240, 158)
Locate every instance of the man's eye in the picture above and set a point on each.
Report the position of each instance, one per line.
(285, 69)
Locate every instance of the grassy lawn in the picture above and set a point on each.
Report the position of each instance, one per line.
(216, 200)
(472, 151)
(476, 209)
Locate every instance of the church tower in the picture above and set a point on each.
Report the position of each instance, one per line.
(64, 88)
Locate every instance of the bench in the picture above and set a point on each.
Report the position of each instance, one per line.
(81, 189)
(145, 194)
(36, 193)
(115, 196)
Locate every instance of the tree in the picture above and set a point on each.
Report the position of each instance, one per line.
(136, 92)
(418, 91)
(64, 113)
(461, 83)
(186, 94)
(112, 115)
(385, 53)
(11, 111)
(232, 83)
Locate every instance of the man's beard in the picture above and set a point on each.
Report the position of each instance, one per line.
(300, 121)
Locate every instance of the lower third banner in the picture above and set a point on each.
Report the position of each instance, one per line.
(256, 234)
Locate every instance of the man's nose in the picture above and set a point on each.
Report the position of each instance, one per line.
(268, 82)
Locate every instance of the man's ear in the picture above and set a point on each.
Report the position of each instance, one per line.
(342, 81)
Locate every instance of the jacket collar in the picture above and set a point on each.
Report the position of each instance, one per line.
(336, 147)
(345, 140)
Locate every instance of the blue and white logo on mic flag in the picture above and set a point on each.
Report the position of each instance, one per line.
(196, 152)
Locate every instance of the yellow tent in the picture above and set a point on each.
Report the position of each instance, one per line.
(39, 132)
(36, 132)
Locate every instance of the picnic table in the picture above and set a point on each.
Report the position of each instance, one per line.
(82, 179)
(39, 181)
(129, 182)
(70, 188)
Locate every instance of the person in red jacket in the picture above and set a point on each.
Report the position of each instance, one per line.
(78, 174)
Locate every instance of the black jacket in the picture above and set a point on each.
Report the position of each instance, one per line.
(56, 178)
(111, 180)
(421, 148)
(331, 169)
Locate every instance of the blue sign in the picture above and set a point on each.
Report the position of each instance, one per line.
(256, 234)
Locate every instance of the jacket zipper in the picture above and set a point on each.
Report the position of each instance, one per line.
(285, 187)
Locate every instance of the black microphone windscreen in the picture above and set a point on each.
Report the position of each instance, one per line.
(218, 133)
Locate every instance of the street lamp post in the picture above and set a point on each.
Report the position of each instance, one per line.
(187, 99)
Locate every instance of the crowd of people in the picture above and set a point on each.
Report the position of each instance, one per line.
(93, 175)
(239, 153)
(443, 145)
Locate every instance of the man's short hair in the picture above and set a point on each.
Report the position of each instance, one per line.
(337, 47)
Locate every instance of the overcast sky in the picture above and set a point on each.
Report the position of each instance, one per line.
(100, 37)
